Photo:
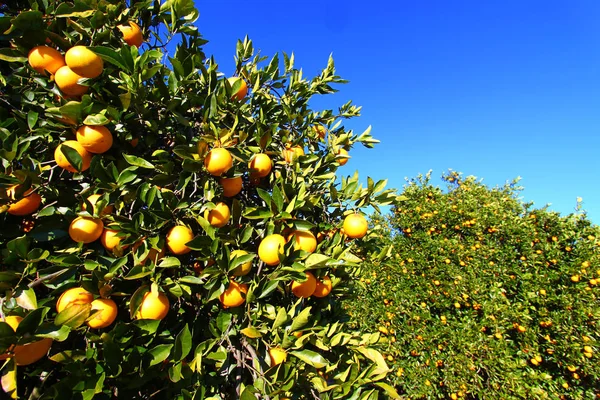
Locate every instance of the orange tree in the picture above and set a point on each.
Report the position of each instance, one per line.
(482, 296)
(167, 231)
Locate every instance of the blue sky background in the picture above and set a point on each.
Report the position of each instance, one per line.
(491, 89)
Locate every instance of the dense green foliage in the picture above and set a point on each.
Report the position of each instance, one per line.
(481, 295)
(164, 112)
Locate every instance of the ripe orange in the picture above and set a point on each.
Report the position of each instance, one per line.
(291, 154)
(177, 237)
(232, 296)
(242, 91)
(278, 355)
(218, 216)
(106, 313)
(355, 226)
(84, 62)
(231, 186)
(110, 240)
(305, 289)
(218, 161)
(320, 130)
(93, 199)
(66, 80)
(342, 152)
(62, 161)
(26, 205)
(44, 58)
(27, 353)
(132, 34)
(271, 248)
(260, 165)
(323, 287)
(86, 229)
(73, 296)
(95, 139)
(304, 240)
(154, 306)
(242, 269)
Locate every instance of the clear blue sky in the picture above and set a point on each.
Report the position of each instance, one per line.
(495, 89)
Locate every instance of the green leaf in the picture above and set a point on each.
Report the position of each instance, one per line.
(282, 318)
(301, 319)
(316, 260)
(251, 332)
(112, 57)
(72, 156)
(96, 119)
(311, 358)
(32, 321)
(257, 213)
(26, 299)
(389, 390)
(183, 344)
(159, 353)
(169, 262)
(138, 162)
(377, 358)
(59, 334)
(11, 55)
(73, 316)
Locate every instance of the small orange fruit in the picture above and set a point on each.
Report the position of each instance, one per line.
(305, 289)
(154, 306)
(84, 62)
(242, 269)
(62, 161)
(260, 165)
(355, 226)
(93, 199)
(291, 154)
(243, 89)
(231, 186)
(177, 237)
(218, 161)
(277, 355)
(95, 139)
(323, 287)
(86, 229)
(26, 205)
(218, 216)
(342, 152)
(132, 34)
(271, 248)
(320, 130)
(234, 295)
(44, 58)
(72, 297)
(110, 240)
(66, 80)
(27, 353)
(105, 313)
(304, 240)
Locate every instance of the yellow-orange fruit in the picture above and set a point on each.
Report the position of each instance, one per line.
(25, 206)
(305, 289)
(304, 240)
(73, 296)
(218, 161)
(105, 313)
(95, 139)
(231, 186)
(242, 91)
(62, 161)
(93, 199)
(44, 58)
(86, 229)
(291, 154)
(177, 237)
(355, 226)
(277, 355)
(271, 248)
(323, 287)
(242, 269)
(234, 295)
(260, 165)
(66, 80)
(342, 152)
(218, 216)
(132, 34)
(84, 62)
(110, 240)
(154, 306)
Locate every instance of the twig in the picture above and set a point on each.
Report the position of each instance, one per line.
(39, 281)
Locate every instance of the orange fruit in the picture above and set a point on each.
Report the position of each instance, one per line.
(218, 216)
(177, 237)
(303, 240)
(342, 152)
(73, 296)
(132, 34)
(26, 205)
(323, 287)
(232, 296)
(242, 91)
(278, 355)
(62, 161)
(305, 289)
(27, 353)
(93, 199)
(270, 248)
(84, 62)
(105, 313)
(218, 161)
(154, 306)
(291, 154)
(231, 186)
(260, 165)
(86, 229)
(355, 226)
(320, 130)
(242, 269)
(110, 240)
(95, 139)
(66, 80)
(44, 58)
